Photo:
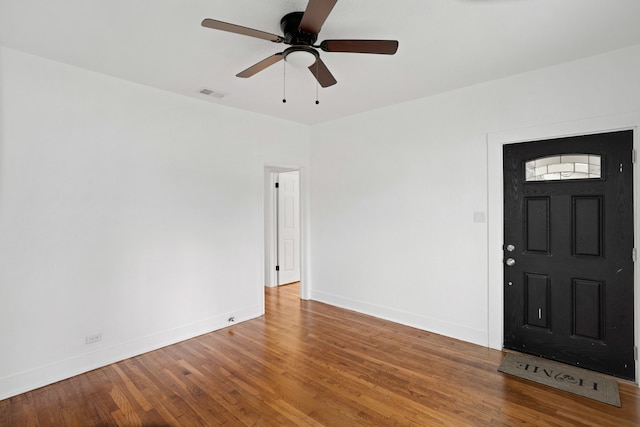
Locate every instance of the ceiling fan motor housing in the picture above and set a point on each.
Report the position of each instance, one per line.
(290, 26)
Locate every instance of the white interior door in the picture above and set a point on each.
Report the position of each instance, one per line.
(288, 227)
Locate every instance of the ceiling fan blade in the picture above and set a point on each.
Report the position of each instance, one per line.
(316, 13)
(232, 28)
(322, 73)
(384, 47)
(255, 68)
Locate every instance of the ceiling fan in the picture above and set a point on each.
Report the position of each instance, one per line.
(301, 30)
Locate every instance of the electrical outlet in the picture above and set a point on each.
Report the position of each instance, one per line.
(90, 339)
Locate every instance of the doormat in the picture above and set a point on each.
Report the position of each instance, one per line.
(563, 377)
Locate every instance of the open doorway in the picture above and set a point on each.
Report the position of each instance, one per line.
(282, 226)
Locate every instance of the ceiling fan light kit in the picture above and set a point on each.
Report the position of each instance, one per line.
(301, 56)
(300, 31)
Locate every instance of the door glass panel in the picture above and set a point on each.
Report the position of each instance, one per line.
(562, 167)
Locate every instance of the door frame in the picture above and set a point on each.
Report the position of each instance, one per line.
(270, 228)
(495, 206)
(269, 218)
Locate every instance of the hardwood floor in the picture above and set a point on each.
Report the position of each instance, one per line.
(307, 363)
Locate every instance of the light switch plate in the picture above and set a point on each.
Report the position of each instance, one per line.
(479, 216)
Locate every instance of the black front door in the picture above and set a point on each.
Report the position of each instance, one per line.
(568, 251)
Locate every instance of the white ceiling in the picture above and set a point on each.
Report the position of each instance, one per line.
(444, 44)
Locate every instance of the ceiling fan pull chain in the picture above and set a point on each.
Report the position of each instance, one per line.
(317, 101)
(284, 81)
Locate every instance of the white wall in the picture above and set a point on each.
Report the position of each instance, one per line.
(395, 191)
(125, 211)
(138, 214)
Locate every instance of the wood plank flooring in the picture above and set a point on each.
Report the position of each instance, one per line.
(307, 363)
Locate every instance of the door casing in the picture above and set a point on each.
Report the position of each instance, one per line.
(269, 227)
(495, 141)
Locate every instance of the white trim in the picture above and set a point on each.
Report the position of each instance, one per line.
(495, 141)
(32, 379)
(270, 231)
(437, 326)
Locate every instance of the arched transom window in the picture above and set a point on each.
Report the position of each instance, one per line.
(562, 167)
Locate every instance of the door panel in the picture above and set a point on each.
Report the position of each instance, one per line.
(537, 300)
(568, 241)
(288, 228)
(537, 224)
(588, 300)
(588, 225)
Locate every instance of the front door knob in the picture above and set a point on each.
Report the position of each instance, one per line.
(510, 262)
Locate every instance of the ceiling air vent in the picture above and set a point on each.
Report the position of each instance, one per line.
(213, 93)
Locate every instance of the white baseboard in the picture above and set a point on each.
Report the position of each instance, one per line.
(60, 370)
(463, 333)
